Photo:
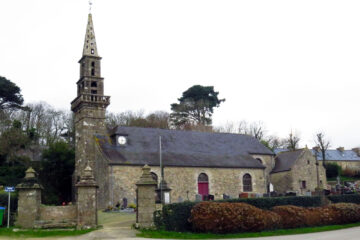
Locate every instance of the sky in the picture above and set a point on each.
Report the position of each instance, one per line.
(293, 65)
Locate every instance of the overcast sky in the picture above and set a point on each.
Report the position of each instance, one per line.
(293, 65)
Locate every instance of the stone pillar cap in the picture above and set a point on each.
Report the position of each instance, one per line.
(30, 173)
(146, 178)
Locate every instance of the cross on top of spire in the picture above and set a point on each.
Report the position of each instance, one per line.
(90, 5)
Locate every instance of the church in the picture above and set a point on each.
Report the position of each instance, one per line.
(194, 163)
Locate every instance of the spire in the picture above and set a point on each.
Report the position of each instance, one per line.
(90, 48)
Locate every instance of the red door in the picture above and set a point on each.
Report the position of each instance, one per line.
(203, 189)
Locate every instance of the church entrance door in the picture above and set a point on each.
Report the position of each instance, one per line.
(203, 188)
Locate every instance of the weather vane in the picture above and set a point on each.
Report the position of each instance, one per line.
(90, 4)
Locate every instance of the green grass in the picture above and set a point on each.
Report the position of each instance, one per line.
(344, 178)
(38, 233)
(189, 235)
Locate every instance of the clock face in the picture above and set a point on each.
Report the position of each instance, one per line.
(122, 140)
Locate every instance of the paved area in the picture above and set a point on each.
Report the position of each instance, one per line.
(118, 226)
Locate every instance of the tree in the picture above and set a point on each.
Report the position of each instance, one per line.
(196, 106)
(158, 119)
(292, 142)
(57, 167)
(323, 144)
(10, 96)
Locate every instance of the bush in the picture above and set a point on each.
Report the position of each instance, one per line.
(350, 198)
(241, 217)
(332, 170)
(231, 218)
(268, 203)
(175, 216)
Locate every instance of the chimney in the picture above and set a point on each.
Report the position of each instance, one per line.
(341, 149)
(316, 149)
(357, 150)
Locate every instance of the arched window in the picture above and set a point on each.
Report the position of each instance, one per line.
(203, 185)
(154, 176)
(203, 178)
(260, 161)
(247, 183)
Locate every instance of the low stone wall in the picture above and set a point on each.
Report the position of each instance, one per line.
(57, 217)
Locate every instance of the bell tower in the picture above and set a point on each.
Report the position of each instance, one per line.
(90, 104)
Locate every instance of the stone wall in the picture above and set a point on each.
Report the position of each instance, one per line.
(56, 217)
(282, 181)
(57, 212)
(183, 181)
(269, 162)
(303, 170)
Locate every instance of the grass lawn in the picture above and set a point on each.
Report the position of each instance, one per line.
(344, 178)
(27, 233)
(188, 235)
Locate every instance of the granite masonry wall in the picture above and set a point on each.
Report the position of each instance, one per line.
(183, 181)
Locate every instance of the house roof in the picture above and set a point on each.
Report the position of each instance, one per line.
(284, 161)
(336, 155)
(331, 154)
(184, 148)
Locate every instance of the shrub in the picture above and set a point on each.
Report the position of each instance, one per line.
(268, 203)
(232, 217)
(175, 216)
(332, 170)
(241, 217)
(350, 198)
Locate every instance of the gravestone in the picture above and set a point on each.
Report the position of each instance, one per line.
(198, 197)
(124, 203)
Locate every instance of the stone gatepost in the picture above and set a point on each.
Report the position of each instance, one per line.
(145, 199)
(29, 200)
(87, 200)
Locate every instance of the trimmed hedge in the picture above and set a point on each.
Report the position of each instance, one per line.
(175, 216)
(349, 198)
(225, 217)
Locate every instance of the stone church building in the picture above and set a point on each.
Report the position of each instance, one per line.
(195, 163)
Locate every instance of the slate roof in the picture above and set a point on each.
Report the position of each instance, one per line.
(184, 148)
(284, 161)
(331, 154)
(336, 155)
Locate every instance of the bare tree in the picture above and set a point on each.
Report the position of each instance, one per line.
(158, 119)
(323, 145)
(292, 142)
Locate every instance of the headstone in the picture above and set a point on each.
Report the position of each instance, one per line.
(226, 196)
(198, 197)
(124, 203)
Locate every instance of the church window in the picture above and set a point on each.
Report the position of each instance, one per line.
(93, 64)
(247, 183)
(92, 51)
(92, 72)
(93, 84)
(259, 160)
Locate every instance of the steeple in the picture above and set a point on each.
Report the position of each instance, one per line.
(90, 48)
